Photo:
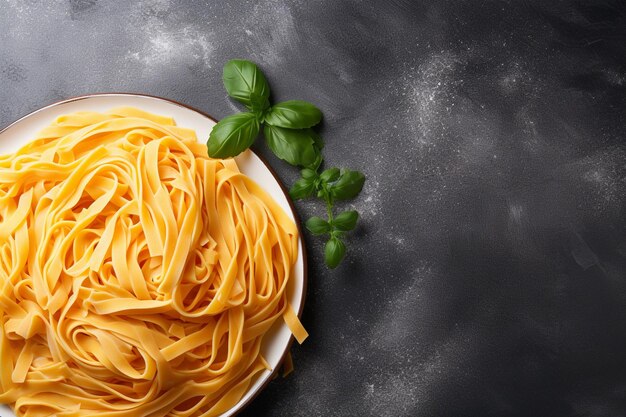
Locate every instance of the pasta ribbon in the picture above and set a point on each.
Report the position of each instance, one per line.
(138, 277)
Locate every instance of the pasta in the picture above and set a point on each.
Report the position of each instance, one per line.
(138, 277)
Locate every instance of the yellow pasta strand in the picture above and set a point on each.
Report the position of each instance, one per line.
(138, 277)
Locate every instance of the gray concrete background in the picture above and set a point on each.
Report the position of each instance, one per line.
(487, 277)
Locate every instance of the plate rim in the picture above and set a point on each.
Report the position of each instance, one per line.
(283, 189)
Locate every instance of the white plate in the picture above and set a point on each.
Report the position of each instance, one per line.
(279, 338)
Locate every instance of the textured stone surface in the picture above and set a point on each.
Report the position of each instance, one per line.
(487, 277)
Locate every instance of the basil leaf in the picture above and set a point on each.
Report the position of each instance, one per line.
(330, 175)
(245, 82)
(303, 188)
(318, 160)
(319, 145)
(346, 221)
(348, 185)
(308, 173)
(318, 226)
(233, 135)
(294, 114)
(296, 147)
(334, 252)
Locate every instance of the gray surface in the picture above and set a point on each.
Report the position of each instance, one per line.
(488, 276)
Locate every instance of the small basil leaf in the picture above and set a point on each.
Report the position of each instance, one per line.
(346, 221)
(318, 226)
(296, 147)
(334, 252)
(330, 175)
(318, 160)
(245, 82)
(308, 173)
(233, 135)
(348, 185)
(293, 114)
(303, 188)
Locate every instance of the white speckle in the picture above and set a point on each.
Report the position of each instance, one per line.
(530, 135)
(512, 77)
(159, 51)
(388, 335)
(395, 396)
(280, 33)
(445, 134)
(162, 44)
(410, 375)
(594, 175)
(615, 77)
(515, 213)
(398, 241)
(605, 175)
(432, 94)
(164, 47)
(442, 118)
(276, 38)
(29, 15)
(371, 205)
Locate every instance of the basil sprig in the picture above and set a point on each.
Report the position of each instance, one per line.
(331, 185)
(287, 128)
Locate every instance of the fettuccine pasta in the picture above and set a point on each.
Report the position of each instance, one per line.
(138, 277)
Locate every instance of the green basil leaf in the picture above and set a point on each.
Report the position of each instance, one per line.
(245, 82)
(334, 252)
(348, 185)
(318, 160)
(330, 175)
(233, 135)
(318, 226)
(293, 114)
(308, 173)
(303, 188)
(296, 147)
(346, 221)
